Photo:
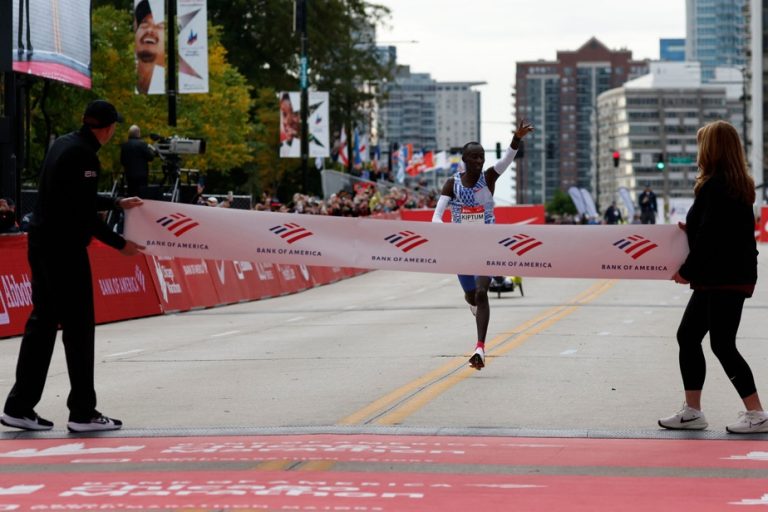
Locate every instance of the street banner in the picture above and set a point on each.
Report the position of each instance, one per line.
(620, 251)
(54, 40)
(149, 45)
(193, 46)
(317, 122)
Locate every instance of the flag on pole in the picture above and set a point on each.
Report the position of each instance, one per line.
(343, 157)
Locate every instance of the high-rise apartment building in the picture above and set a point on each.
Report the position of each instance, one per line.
(655, 119)
(560, 98)
(715, 34)
(756, 13)
(407, 112)
(457, 114)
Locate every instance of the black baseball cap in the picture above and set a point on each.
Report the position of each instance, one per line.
(100, 114)
(143, 9)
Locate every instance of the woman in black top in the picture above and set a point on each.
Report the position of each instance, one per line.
(721, 268)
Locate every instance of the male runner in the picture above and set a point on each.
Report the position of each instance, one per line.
(470, 195)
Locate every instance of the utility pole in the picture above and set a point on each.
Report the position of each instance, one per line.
(171, 32)
(9, 134)
(301, 28)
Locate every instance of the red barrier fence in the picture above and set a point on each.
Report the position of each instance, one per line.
(139, 286)
(763, 224)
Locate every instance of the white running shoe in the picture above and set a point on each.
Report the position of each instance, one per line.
(477, 361)
(686, 418)
(473, 309)
(749, 422)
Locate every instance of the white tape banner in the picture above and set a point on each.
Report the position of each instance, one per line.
(622, 251)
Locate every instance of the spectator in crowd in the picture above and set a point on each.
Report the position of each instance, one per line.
(612, 214)
(648, 205)
(8, 216)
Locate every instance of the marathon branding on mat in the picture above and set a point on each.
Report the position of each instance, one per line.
(599, 252)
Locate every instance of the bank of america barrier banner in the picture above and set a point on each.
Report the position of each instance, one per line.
(624, 252)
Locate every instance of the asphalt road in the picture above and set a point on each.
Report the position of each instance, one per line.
(388, 349)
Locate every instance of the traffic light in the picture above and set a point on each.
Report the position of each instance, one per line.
(660, 162)
(498, 150)
(616, 158)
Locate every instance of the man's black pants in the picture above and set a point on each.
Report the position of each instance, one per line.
(62, 295)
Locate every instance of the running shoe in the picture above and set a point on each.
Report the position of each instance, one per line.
(29, 422)
(473, 309)
(686, 418)
(749, 422)
(97, 423)
(477, 361)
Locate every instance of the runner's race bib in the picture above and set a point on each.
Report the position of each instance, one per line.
(472, 215)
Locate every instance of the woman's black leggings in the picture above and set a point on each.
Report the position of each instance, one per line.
(719, 313)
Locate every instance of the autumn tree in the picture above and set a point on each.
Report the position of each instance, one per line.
(220, 116)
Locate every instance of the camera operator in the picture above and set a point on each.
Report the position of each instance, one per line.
(135, 155)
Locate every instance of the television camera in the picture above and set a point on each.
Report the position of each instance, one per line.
(170, 149)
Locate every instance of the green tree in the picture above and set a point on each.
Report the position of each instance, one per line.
(560, 204)
(220, 116)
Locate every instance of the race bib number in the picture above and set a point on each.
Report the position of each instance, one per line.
(472, 215)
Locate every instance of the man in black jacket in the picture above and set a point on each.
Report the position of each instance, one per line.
(65, 218)
(135, 155)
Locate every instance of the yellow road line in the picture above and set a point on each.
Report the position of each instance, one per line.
(439, 380)
(317, 465)
(274, 465)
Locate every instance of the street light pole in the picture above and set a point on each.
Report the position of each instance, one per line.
(301, 28)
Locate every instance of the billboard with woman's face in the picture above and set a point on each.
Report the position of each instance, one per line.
(52, 39)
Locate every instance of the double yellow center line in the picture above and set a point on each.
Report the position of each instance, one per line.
(394, 407)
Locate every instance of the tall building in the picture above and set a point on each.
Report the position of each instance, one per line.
(756, 13)
(457, 114)
(407, 112)
(655, 119)
(715, 34)
(672, 50)
(560, 98)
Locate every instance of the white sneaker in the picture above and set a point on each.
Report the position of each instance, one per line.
(477, 361)
(749, 422)
(686, 418)
(473, 309)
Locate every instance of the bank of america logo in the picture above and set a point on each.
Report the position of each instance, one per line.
(520, 244)
(635, 245)
(177, 223)
(291, 232)
(406, 240)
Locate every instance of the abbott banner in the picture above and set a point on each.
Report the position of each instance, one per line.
(191, 231)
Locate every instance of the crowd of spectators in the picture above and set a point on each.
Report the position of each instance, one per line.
(360, 202)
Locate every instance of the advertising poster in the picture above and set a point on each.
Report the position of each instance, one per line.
(149, 45)
(193, 46)
(54, 40)
(290, 125)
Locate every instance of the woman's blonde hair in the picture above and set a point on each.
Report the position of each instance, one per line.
(721, 153)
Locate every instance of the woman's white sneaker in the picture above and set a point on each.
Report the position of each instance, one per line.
(686, 418)
(750, 422)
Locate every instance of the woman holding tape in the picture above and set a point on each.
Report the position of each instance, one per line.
(721, 268)
(470, 195)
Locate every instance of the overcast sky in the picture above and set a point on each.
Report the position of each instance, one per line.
(480, 40)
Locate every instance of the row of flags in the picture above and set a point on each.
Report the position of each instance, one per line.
(360, 150)
(405, 161)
